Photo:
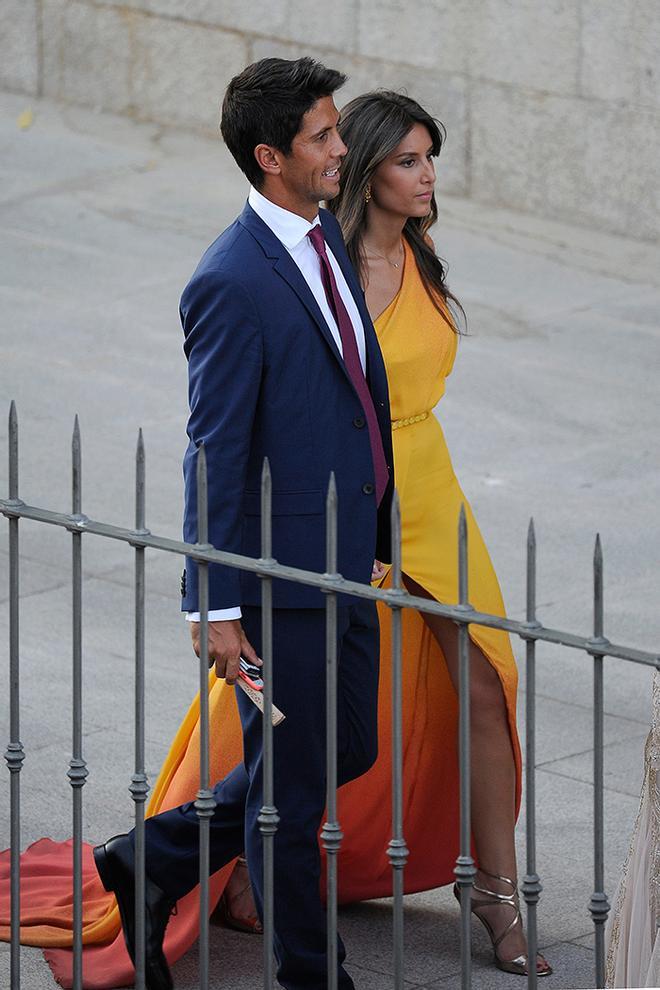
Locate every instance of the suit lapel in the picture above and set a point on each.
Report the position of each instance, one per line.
(287, 269)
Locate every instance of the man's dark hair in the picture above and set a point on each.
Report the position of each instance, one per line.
(265, 104)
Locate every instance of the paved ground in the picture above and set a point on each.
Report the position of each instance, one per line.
(552, 411)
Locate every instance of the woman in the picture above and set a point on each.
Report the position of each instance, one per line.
(386, 207)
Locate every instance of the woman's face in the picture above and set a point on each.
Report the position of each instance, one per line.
(403, 183)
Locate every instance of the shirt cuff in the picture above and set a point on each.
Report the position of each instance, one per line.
(217, 615)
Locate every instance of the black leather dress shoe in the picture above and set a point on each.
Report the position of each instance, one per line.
(115, 862)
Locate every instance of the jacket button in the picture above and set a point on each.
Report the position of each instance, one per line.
(368, 489)
(358, 422)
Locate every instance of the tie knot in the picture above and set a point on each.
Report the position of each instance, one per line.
(318, 240)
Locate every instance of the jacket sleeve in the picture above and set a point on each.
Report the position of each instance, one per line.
(223, 344)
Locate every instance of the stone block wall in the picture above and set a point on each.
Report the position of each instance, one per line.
(551, 107)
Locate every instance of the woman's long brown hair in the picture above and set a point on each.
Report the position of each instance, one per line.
(372, 126)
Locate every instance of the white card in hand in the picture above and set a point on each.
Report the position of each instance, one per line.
(258, 699)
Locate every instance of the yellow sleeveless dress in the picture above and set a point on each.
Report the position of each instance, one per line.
(419, 349)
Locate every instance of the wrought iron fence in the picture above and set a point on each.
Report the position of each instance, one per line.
(332, 583)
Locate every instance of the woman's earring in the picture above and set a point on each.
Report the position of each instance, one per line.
(367, 193)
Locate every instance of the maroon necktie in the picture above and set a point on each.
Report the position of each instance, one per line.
(352, 360)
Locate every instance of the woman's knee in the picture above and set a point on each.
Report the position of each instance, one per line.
(486, 695)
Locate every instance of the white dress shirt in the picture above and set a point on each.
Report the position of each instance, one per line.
(292, 229)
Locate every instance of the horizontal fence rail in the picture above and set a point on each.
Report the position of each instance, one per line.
(272, 569)
(396, 598)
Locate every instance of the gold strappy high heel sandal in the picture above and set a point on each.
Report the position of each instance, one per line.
(520, 964)
(235, 894)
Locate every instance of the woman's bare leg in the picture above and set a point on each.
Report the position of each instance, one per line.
(493, 778)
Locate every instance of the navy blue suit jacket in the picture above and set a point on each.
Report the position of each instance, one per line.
(266, 380)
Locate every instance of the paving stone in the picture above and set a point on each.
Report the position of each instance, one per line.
(545, 40)
(421, 37)
(233, 14)
(564, 739)
(608, 68)
(620, 47)
(97, 67)
(624, 766)
(20, 51)
(310, 25)
(596, 175)
(573, 969)
(35, 972)
(190, 98)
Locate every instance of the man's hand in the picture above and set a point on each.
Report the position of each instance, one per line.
(378, 571)
(227, 644)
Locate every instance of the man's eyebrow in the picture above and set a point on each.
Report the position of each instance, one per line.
(322, 131)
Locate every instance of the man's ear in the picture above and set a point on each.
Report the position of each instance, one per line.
(267, 159)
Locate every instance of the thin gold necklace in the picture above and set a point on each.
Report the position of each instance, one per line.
(394, 264)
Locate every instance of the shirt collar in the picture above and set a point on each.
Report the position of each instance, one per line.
(288, 227)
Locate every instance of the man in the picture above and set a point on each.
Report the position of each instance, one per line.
(284, 364)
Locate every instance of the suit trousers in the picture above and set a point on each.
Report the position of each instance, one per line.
(299, 660)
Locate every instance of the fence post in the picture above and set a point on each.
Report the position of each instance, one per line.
(599, 905)
(139, 787)
(397, 850)
(331, 834)
(464, 870)
(205, 802)
(531, 885)
(77, 773)
(15, 753)
(268, 819)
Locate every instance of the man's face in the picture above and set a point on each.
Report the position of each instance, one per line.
(310, 172)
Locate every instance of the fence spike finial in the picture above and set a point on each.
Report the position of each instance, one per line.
(598, 589)
(202, 497)
(462, 557)
(13, 451)
(331, 526)
(332, 487)
(76, 464)
(531, 533)
(395, 537)
(266, 511)
(140, 482)
(531, 571)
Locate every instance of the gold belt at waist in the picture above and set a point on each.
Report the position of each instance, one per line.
(409, 420)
